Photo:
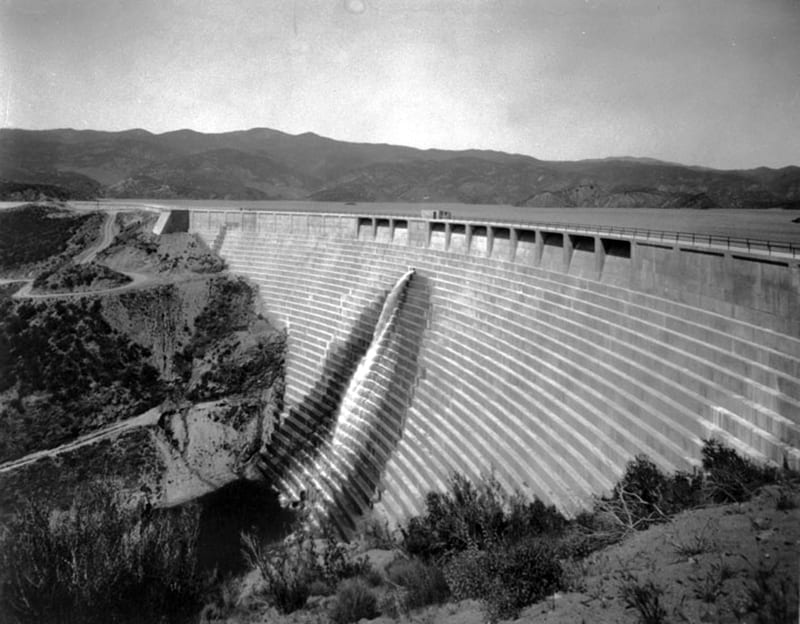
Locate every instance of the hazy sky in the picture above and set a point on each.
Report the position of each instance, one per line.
(710, 82)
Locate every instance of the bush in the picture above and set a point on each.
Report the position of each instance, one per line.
(645, 597)
(524, 572)
(508, 577)
(526, 518)
(288, 569)
(478, 515)
(468, 574)
(354, 600)
(453, 520)
(643, 496)
(296, 567)
(336, 560)
(731, 477)
(100, 562)
(421, 584)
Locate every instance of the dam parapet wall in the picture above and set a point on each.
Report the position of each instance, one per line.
(747, 279)
(548, 354)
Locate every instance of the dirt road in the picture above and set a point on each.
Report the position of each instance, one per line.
(106, 237)
(137, 281)
(146, 419)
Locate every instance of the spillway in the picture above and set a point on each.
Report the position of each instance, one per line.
(549, 356)
(331, 456)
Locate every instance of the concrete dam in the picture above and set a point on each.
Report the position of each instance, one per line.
(546, 355)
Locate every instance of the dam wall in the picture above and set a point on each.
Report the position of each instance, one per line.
(548, 356)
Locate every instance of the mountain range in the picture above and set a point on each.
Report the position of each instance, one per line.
(268, 164)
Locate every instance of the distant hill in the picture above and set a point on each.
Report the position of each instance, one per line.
(268, 164)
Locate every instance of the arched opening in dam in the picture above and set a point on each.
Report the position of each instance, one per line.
(547, 354)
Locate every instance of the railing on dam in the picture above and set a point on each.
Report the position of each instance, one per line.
(757, 277)
(786, 250)
(716, 241)
(751, 245)
(761, 246)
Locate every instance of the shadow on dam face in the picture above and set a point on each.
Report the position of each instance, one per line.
(331, 449)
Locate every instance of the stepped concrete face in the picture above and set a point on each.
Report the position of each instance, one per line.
(549, 358)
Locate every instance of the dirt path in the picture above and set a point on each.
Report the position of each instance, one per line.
(138, 280)
(146, 419)
(107, 236)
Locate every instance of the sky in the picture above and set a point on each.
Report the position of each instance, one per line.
(703, 82)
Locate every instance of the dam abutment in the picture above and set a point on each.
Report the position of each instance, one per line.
(549, 354)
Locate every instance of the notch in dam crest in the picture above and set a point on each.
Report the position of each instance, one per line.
(331, 449)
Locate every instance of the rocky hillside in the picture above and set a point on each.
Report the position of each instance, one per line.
(268, 164)
(169, 382)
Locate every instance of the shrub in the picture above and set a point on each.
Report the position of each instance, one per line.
(698, 542)
(336, 561)
(731, 477)
(524, 572)
(771, 597)
(645, 597)
(469, 573)
(508, 577)
(299, 566)
(100, 562)
(465, 514)
(288, 569)
(354, 600)
(478, 515)
(643, 496)
(422, 584)
(526, 518)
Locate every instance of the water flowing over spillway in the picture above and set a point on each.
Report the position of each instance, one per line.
(338, 468)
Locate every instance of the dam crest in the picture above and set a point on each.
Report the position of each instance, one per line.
(549, 355)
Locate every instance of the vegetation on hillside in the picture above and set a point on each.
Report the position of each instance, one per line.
(45, 185)
(65, 371)
(477, 541)
(231, 351)
(130, 459)
(71, 277)
(31, 192)
(30, 235)
(267, 164)
(100, 560)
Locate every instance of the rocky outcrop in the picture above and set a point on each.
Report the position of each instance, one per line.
(205, 446)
